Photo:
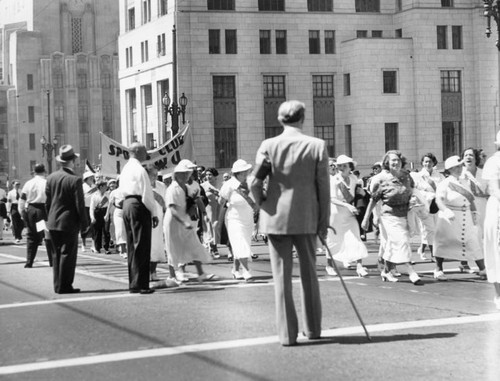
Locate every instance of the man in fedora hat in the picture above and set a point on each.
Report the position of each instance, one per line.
(139, 217)
(293, 211)
(66, 218)
(32, 208)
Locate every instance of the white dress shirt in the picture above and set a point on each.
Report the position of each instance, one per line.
(33, 192)
(134, 181)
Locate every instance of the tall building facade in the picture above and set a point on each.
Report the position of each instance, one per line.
(419, 76)
(58, 79)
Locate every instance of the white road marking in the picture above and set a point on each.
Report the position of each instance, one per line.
(65, 300)
(224, 345)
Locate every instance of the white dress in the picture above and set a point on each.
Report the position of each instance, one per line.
(458, 238)
(120, 235)
(239, 219)
(183, 245)
(345, 245)
(491, 171)
(157, 241)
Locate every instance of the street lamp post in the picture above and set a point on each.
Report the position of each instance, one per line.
(48, 146)
(174, 110)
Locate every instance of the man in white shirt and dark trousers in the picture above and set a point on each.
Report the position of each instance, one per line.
(32, 209)
(13, 208)
(139, 217)
(98, 207)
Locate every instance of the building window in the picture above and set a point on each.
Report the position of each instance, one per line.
(265, 41)
(274, 96)
(450, 81)
(76, 35)
(271, 5)
(163, 7)
(106, 80)
(129, 56)
(214, 41)
(390, 78)
(367, 6)
(160, 45)
(347, 84)
(320, 5)
(361, 33)
(447, 3)
(81, 80)
(376, 33)
(324, 110)
(391, 136)
(220, 5)
(348, 139)
(107, 111)
(83, 112)
(231, 41)
(58, 112)
(31, 114)
(144, 51)
(32, 142)
(398, 33)
(146, 11)
(399, 5)
(29, 82)
(329, 42)
(281, 43)
(442, 36)
(456, 37)
(131, 18)
(314, 45)
(452, 138)
(224, 96)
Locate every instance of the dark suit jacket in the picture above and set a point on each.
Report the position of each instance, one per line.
(65, 204)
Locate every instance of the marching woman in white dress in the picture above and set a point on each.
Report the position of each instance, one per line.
(345, 244)
(491, 173)
(457, 225)
(239, 217)
(426, 181)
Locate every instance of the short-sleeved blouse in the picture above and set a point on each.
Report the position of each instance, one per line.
(335, 186)
(394, 192)
(238, 207)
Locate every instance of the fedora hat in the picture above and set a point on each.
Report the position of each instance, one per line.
(452, 161)
(344, 159)
(240, 165)
(184, 165)
(66, 153)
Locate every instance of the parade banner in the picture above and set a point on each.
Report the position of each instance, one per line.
(114, 155)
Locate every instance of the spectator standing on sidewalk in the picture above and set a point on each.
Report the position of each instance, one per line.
(13, 208)
(98, 207)
(88, 189)
(3, 210)
(66, 218)
(32, 208)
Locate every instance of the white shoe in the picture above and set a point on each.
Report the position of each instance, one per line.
(18, 241)
(395, 272)
(361, 271)
(330, 271)
(415, 279)
(439, 275)
(247, 275)
(181, 277)
(388, 277)
(236, 274)
(421, 254)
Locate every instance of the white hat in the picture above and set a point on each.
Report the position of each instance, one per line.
(343, 159)
(88, 174)
(497, 141)
(184, 165)
(240, 165)
(452, 161)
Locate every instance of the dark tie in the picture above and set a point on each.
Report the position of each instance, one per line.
(17, 195)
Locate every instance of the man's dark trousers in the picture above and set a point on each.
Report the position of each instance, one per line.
(34, 238)
(137, 219)
(65, 249)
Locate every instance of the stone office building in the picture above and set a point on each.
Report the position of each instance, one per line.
(59, 79)
(419, 76)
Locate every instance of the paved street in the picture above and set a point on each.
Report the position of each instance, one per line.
(224, 330)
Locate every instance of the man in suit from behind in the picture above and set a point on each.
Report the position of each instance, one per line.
(66, 219)
(293, 211)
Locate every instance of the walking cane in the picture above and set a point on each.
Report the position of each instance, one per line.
(344, 285)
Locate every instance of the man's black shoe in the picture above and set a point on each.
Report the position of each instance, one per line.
(70, 291)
